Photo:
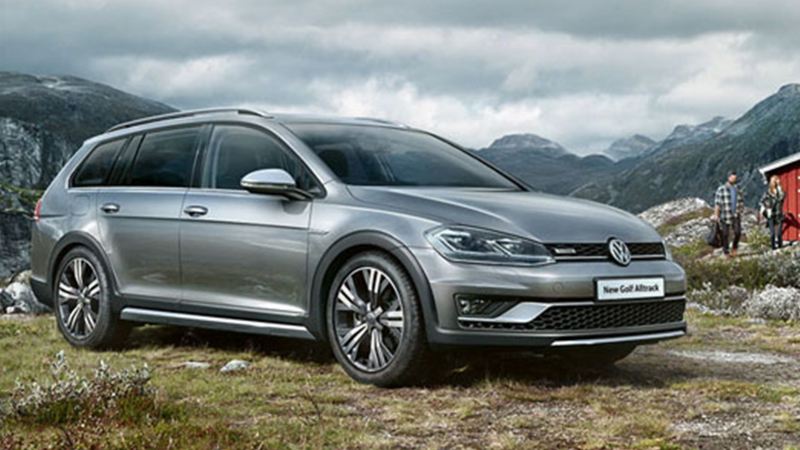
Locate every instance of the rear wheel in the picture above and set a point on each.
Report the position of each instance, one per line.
(82, 294)
(375, 322)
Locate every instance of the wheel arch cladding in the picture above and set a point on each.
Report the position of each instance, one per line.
(73, 240)
(350, 245)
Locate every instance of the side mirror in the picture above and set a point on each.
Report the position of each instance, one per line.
(273, 182)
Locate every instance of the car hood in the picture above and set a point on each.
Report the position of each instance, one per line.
(543, 217)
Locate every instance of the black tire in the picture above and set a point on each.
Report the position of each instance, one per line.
(109, 331)
(408, 362)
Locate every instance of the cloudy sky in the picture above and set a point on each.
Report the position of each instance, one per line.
(580, 72)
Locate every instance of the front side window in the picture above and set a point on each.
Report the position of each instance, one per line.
(236, 151)
(96, 168)
(165, 158)
(381, 156)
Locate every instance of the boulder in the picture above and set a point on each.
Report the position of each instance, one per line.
(18, 298)
(660, 215)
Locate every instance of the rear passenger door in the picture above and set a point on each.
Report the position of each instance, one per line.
(139, 213)
(244, 254)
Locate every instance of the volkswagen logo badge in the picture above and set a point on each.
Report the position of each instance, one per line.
(619, 252)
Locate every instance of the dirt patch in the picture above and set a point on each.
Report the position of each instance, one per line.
(717, 356)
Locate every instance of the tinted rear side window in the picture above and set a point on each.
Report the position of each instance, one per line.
(165, 158)
(96, 168)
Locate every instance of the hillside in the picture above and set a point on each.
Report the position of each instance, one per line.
(629, 147)
(44, 119)
(549, 167)
(545, 165)
(768, 131)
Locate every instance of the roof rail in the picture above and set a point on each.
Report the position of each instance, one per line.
(383, 121)
(187, 113)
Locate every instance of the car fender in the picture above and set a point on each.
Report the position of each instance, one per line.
(375, 239)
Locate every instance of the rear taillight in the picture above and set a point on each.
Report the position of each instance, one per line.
(37, 212)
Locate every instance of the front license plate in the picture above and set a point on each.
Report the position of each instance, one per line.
(630, 288)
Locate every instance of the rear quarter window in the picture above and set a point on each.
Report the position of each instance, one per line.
(165, 158)
(96, 168)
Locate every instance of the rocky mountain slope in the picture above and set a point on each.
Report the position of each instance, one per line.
(690, 134)
(529, 143)
(544, 164)
(696, 165)
(629, 147)
(548, 166)
(43, 121)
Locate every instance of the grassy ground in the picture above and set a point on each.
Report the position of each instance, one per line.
(672, 395)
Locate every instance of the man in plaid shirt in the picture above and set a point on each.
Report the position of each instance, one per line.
(728, 209)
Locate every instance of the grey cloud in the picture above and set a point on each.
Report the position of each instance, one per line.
(583, 72)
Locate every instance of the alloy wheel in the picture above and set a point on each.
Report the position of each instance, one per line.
(368, 319)
(79, 298)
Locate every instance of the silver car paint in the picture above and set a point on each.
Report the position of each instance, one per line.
(256, 256)
(247, 253)
(141, 238)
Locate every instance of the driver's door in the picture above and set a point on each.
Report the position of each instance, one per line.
(244, 254)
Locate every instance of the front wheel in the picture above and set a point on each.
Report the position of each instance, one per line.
(374, 321)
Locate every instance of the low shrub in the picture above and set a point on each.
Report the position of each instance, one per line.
(758, 240)
(691, 251)
(69, 398)
(728, 301)
(774, 303)
(780, 269)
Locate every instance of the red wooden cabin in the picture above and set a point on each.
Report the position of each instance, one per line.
(788, 169)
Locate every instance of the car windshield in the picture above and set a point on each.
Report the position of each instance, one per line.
(383, 156)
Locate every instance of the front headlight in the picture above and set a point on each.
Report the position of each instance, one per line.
(667, 250)
(473, 245)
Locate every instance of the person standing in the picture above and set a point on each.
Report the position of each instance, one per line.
(772, 207)
(728, 210)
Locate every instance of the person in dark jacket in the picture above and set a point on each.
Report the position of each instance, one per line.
(728, 211)
(772, 209)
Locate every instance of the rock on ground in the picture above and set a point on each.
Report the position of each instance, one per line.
(235, 365)
(661, 214)
(688, 232)
(18, 298)
(693, 229)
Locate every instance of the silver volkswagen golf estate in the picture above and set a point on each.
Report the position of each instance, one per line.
(385, 241)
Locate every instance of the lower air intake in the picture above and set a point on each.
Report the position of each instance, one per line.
(596, 317)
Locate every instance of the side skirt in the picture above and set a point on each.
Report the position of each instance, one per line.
(215, 323)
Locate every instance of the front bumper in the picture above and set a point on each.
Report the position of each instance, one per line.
(553, 305)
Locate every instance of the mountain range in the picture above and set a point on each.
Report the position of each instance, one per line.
(44, 119)
(690, 162)
(547, 166)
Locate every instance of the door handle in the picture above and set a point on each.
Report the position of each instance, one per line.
(110, 208)
(196, 211)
